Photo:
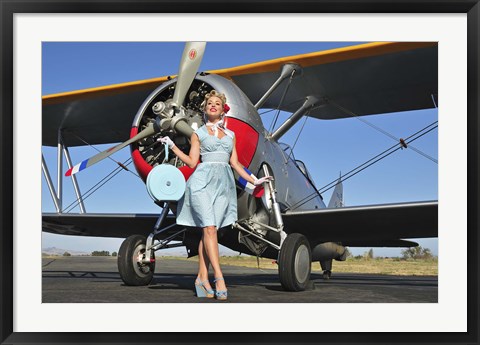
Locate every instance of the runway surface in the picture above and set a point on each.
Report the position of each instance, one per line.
(96, 280)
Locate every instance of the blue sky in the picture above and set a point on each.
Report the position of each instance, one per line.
(326, 147)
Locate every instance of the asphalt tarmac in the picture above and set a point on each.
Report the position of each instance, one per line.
(96, 280)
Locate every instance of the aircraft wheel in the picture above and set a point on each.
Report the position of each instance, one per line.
(294, 263)
(132, 270)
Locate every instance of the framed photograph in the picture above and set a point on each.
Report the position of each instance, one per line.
(29, 30)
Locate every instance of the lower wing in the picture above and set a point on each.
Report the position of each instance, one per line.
(105, 225)
(361, 226)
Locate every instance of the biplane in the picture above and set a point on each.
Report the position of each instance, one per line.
(288, 221)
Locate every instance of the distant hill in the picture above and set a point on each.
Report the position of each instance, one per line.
(60, 251)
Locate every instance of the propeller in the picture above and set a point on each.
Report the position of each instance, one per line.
(148, 131)
(189, 64)
(191, 59)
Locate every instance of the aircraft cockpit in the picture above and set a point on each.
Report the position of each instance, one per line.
(288, 153)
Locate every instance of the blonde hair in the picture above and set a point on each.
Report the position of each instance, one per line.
(214, 93)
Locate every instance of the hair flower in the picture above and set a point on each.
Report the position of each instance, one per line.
(226, 108)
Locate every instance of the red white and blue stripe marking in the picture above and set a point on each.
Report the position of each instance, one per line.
(256, 191)
(79, 167)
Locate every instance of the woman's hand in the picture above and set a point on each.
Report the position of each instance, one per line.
(263, 180)
(193, 156)
(167, 140)
(240, 170)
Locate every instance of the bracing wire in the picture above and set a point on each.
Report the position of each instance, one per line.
(96, 186)
(366, 164)
(351, 113)
(266, 112)
(103, 181)
(286, 106)
(420, 152)
(299, 133)
(322, 190)
(113, 160)
(350, 174)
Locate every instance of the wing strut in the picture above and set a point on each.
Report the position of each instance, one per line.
(57, 195)
(51, 188)
(74, 180)
(310, 102)
(288, 70)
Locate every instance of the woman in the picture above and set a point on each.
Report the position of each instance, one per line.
(210, 200)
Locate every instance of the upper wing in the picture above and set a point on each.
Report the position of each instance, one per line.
(105, 225)
(361, 226)
(364, 79)
(99, 115)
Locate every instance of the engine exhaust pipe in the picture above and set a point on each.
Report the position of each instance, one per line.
(328, 251)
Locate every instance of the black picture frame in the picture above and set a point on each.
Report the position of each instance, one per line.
(10, 7)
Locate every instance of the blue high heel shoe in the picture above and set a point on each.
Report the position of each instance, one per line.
(220, 294)
(201, 290)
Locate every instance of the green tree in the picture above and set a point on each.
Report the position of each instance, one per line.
(101, 253)
(370, 253)
(417, 253)
(67, 254)
(114, 254)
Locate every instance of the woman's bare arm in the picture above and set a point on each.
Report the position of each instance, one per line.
(235, 164)
(193, 156)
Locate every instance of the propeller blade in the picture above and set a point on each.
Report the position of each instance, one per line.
(183, 128)
(191, 59)
(148, 131)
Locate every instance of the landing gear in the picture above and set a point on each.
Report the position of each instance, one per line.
(294, 263)
(135, 269)
(136, 256)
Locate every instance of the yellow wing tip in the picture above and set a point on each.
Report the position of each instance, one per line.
(322, 57)
(103, 90)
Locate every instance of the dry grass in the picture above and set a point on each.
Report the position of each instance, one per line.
(392, 266)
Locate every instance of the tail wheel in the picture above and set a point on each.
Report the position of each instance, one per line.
(130, 262)
(294, 263)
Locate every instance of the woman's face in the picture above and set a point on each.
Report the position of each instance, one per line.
(214, 107)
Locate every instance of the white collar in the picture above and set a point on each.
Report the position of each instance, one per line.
(216, 126)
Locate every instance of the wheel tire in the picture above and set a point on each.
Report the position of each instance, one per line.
(294, 263)
(131, 270)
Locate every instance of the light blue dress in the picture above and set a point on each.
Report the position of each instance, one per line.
(210, 196)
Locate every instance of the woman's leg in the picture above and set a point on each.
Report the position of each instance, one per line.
(203, 265)
(210, 243)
